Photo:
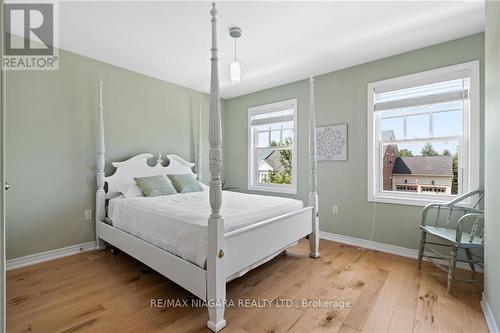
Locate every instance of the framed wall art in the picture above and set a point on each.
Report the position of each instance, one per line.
(331, 142)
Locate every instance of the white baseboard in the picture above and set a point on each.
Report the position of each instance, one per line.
(488, 314)
(49, 255)
(368, 244)
(381, 247)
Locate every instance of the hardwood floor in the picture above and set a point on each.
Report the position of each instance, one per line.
(101, 292)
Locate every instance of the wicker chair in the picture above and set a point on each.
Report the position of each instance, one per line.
(461, 228)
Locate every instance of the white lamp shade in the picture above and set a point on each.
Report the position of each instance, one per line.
(235, 69)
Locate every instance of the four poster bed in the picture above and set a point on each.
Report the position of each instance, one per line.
(175, 235)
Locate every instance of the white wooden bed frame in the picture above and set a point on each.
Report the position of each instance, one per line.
(229, 255)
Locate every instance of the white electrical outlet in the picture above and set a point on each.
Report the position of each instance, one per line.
(88, 215)
(335, 210)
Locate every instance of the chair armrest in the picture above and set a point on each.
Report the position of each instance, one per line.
(461, 224)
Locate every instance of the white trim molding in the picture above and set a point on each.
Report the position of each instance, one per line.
(369, 244)
(49, 255)
(469, 167)
(488, 314)
(381, 247)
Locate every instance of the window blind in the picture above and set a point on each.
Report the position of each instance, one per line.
(272, 117)
(440, 92)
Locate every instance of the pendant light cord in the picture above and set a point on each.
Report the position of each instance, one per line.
(234, 49)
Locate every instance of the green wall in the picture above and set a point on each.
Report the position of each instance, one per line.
(341, 98)
(51, 140)
(492, 158)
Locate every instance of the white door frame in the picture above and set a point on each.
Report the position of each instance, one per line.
(2, 182)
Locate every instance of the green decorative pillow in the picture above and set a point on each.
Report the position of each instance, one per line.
(185, 183)
(155, 186)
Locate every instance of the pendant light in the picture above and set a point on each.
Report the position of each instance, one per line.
(235, 66)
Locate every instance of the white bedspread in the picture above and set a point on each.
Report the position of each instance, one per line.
(178, 223)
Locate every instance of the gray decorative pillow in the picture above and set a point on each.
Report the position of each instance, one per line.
(155, 186)
(185, 183)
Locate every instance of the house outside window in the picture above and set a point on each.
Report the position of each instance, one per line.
(272, 149)
(423, 136)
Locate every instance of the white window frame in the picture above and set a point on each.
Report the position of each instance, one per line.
(253, 183)
(469, 164)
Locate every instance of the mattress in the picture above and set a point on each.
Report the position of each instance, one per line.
(178, 223)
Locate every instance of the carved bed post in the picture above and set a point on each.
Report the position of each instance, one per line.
(198, 150)
(313, 163)
(216, 270)
(100, 196)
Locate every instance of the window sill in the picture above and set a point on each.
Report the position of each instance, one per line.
(274, 189)
(409, 201)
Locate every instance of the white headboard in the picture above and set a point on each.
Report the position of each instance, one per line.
(137, 166)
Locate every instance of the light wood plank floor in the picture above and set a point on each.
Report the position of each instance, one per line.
(101, 292)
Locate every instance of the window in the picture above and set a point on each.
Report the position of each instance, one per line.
(423, 136)
(272, 150)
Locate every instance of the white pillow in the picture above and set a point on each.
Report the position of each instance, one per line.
(131, 191)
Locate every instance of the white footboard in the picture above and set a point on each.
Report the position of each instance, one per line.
(248, 246)
(180, 271)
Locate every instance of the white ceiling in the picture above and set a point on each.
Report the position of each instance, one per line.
(282, 42)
